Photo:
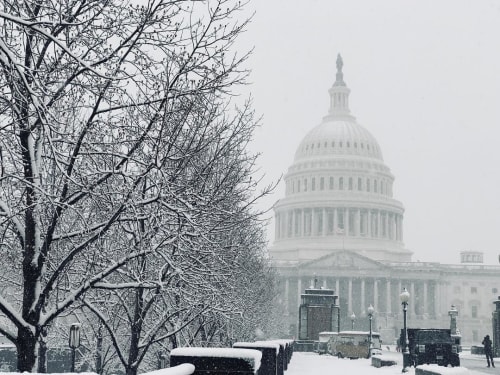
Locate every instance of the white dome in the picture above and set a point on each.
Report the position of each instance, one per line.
(338, 137)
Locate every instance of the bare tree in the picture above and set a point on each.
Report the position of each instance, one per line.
(96, 99)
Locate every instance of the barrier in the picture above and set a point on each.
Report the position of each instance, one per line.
(215, 361)
(270, 352)
(381, 362)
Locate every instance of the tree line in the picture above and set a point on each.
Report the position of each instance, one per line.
(128, 196)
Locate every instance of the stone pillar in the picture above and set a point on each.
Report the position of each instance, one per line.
(287, 291)
(302, 222)
(388, 297)
(437, 298)
(335, 223)
(357, 223)
(369, 223)
(386, 218)
(346, 221)
(379, 227)
(363, 294)
(426, 302)
(294, 223)
(349, 302)
(337, 287)
(412, 299)
(313, 222)
(375, 294)
(325, 222)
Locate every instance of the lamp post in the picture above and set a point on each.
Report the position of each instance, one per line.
(405, 297)
(371, 310)
(353, 318)
(74, 342)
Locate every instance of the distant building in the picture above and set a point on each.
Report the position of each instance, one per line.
(340, 224)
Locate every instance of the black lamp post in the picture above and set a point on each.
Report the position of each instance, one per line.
(353, 318)
(405, 297)
(74, 342)
(371, 310)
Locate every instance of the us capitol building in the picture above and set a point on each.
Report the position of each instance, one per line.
(340, 227)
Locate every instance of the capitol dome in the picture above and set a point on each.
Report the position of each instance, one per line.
(338, 137)
(339, 192)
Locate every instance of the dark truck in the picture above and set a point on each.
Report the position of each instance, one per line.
(432, 345)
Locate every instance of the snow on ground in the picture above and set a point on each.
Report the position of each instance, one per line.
(305, 363)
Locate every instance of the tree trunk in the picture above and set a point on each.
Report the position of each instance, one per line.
(26, 350)
(42, 353)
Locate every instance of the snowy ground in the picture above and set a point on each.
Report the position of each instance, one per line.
(312, 363)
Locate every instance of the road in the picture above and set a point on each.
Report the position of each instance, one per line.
(312, 363)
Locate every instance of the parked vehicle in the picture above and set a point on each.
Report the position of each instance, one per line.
(434, 345)
(353, 344)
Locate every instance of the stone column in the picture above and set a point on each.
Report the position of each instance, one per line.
(379, 227)
(346, 222)
(388, 297)
(358, 223)
(313, 222)
(302, 222)
(387, 225)
(375, 294)
(287, 291)
(363, 294)
(369, 223)
(412, 299)
(437, 298)
(325, 222)
(349, 302)
(337, 287)
(294, 223)
(426, 303)
(335, 221)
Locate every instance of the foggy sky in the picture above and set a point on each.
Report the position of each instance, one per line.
(424, 79)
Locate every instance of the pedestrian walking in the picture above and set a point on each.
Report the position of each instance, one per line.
(488, 350)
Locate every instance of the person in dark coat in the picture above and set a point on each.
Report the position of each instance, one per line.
(488, 350)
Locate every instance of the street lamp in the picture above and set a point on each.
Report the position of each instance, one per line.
(405, 297)
(74, 342)
(371, 310)
(353, 318)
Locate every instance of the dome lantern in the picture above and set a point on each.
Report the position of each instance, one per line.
(339, 95)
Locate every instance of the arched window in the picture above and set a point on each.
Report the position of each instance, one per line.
(331, 183)
(322, 183)
(341, 183)
(360, 184)
(305, 184)
(313, 184)
(298, 186)
(375, 186)
(350, 183)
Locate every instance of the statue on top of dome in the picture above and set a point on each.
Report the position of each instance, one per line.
(340, 63)
(340, 76)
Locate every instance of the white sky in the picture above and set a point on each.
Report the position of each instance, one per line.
(424, 79)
